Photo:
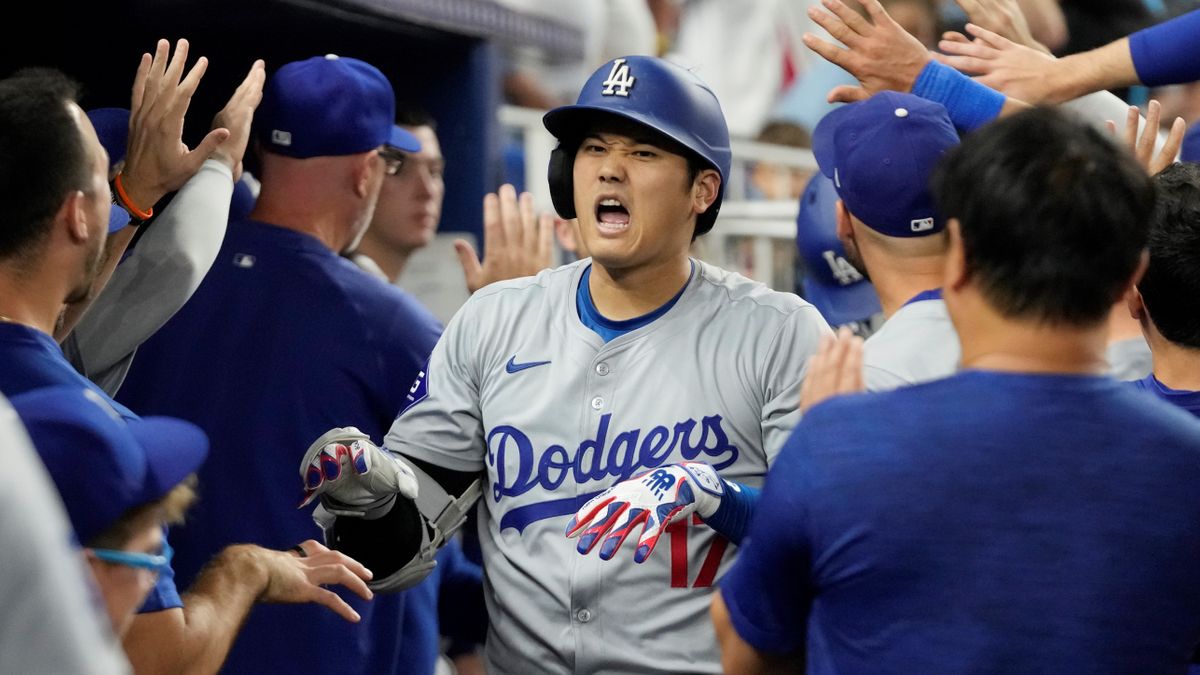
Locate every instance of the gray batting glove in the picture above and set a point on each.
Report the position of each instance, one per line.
(352, 475)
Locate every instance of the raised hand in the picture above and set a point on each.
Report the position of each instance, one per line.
(879, 53)
(517, 241)
(158, 160)
(236, 117)
(1003, 17)
(1017, 71)
(352, 474)
(836, 369)
(301, 576)
(1141, 142)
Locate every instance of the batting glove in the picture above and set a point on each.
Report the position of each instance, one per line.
(653, 499)
(352, 475)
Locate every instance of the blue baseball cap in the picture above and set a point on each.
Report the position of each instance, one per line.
(112, 128)
(838, 290)
(103, 465)
(1190, 150)
(327, 106)
(881, 153)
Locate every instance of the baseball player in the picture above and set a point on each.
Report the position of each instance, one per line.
(880, 154)
(544, 392)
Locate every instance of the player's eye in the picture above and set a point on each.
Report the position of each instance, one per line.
(645, 153)
(593, 148)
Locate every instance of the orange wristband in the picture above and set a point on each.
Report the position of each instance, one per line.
(128, 203)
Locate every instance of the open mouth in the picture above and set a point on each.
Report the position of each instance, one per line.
(612, 215)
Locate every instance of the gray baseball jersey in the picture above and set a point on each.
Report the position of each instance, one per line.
(917, 344)
(520, 389)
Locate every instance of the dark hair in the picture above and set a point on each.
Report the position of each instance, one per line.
(1171, 287)
(1053, 215)
(409, 115)
(782, 132)
(42, 155)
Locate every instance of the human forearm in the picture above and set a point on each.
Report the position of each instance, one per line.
(164, 270)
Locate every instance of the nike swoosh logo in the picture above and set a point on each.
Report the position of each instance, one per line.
(513, 367)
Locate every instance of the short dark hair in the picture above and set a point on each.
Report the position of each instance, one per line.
(1053, 215)
(410, 115)
(1171, 286)
(42, 155)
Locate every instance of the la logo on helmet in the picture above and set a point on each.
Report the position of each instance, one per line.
(619, 80)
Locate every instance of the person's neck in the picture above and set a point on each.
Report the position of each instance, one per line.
(898, 281)
(29, 301)
(629, 293)
(390, 259)
(991, 341)
(1176, 366)
(326, 225)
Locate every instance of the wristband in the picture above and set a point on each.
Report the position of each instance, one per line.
(134, 212)
(969, 103)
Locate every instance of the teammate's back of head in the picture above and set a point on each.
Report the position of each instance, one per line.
(1053, 216)
(42, 155)
(1170, 288)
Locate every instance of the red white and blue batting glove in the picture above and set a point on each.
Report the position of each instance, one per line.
(653, 499)
(350, 473)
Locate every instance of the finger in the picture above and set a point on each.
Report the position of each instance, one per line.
(847, 94)
(584, 516)
(967, 64)
(469, 260)
(826, 50)
(968, 48)
(612, 543)
(339, 606)
(341, 575)
(139, 84)
(175, 68)
(850, 374)
(835, 27)
(994, 40)
(545, 239)
(851, 18)
(206, 147)
(510, 216)
(328, 557)
(1133, 119)
(183, 93)
(1111, 126)
(158, 66)
(877, 13)
(650, 537)
(1170, 149)
(1149, 132)
(592, 535)
(493, 231)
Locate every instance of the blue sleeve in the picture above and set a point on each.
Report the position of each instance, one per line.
(767, 592)
(1168, 53)
(164, 595)
(732, 517)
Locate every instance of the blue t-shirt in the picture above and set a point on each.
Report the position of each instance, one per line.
(1188, 400)
(31, 359)
(988, 522)
(282, 341)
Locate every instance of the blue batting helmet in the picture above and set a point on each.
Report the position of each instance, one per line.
(660, 95)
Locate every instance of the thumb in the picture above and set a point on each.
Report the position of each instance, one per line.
(847, 94)
(469, 260)
(214, 138)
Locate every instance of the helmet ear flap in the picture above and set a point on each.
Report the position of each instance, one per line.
(560, 173)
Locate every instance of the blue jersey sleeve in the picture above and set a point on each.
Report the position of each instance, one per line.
(767, 590)
(1168, 53)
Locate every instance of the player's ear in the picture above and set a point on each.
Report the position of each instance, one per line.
(845, 229)
(1133, 297)
(365, 165)
(72, 214)
(705, 189)
(956, 274)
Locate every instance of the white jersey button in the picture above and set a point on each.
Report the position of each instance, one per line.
(597, 403)
(584, 615)
(602, 369)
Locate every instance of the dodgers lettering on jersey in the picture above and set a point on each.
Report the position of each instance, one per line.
(520, 389)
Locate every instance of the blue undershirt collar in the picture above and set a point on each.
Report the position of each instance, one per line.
(609, 329)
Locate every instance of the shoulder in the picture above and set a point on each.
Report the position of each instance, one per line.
(748, 302)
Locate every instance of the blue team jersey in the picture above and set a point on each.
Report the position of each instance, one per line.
(988, 522)
(1187, 400)
(282, 341)
(31, 359)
